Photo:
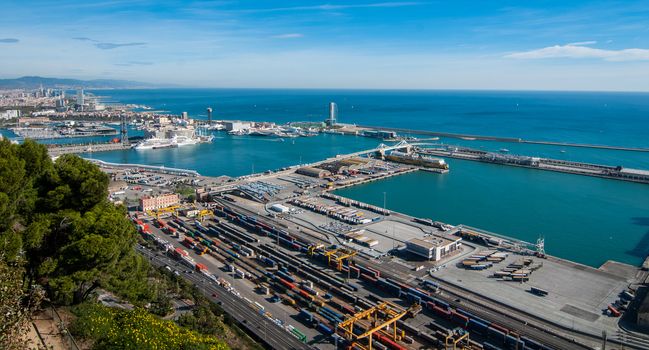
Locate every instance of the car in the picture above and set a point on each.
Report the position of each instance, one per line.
(214, 295)
(167, 267)
(176, 273)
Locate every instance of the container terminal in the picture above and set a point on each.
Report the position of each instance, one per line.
(338, 273)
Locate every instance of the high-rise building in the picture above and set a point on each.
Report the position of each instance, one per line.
(80, 101)
(333, 114)
(184, 115)
(209, 115)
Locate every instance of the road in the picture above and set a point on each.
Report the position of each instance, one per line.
(273, 335)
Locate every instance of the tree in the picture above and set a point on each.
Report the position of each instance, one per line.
(57, 218)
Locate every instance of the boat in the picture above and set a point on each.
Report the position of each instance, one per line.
(503, 150)
(155, 143)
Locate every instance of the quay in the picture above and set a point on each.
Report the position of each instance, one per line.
(505, 139)
(548, 164)
(56, 150)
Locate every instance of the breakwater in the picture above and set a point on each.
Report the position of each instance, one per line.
(506, 139)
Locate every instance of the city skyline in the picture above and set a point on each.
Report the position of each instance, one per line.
(575, 45)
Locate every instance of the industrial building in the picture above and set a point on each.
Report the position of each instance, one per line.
(235, 125)
(157, 202)
(313, 172)
(433, 248)
(279, 208)
(344, 165)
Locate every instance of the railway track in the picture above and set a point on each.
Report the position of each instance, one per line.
(534, 328)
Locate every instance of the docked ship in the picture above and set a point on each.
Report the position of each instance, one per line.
(417, 159)
(171, 137)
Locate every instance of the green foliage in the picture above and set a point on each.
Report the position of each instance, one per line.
(136, 329)
(55, 216)
(184, 190)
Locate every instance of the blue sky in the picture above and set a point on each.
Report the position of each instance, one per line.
(547, 45)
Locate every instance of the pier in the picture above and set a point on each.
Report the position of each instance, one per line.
(56, 150)
(563, 166)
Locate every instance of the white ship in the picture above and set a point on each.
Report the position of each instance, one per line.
(155, 143)
(176, 141)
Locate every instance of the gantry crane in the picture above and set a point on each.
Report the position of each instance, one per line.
(156, 212)
(392, 314)
(344, 256)
(456, 337)
(205, 212)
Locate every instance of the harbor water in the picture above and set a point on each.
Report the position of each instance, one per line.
(585, 219)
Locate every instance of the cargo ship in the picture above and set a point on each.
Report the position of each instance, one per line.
(417, 159)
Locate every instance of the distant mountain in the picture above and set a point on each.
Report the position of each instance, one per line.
(36, 82)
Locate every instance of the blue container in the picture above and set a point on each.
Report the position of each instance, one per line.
(306, 315)
(496, 335)
(324, 329)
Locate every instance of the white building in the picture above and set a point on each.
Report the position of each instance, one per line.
(279, 208)
(434, 248)
(10, 114)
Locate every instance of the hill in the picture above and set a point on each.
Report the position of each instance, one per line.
(34, 82)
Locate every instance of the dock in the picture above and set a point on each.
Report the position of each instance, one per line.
(548, 164)
(56, 150)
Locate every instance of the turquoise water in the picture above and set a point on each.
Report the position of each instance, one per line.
(241, 155)
(585, 219)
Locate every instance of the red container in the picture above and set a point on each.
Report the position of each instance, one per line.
(388, 342)
(287, 284)
(500, 328)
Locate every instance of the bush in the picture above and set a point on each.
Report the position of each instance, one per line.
(135, 329)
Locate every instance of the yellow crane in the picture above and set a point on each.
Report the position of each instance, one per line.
(456, 337)
(156, 212)
(392, 313)
(203, 213)
(344, 256)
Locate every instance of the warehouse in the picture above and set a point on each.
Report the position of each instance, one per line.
(279, 208)
(313, 172)
(433, 248)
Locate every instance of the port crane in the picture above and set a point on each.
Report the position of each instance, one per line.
(392, 313)
(456, 337)
(157, 212)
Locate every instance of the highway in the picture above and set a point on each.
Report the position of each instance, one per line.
(274, 336)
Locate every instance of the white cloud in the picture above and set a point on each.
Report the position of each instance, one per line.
(288, 36)
(576, 51)
(583, 43)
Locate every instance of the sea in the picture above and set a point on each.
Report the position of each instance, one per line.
(584, 219)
